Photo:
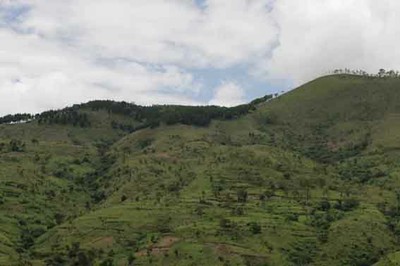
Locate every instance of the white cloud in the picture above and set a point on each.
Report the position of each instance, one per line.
(317, 36)
(159, 31)
(37, 75)
(228, 94)
(148, 51)
(62, 52)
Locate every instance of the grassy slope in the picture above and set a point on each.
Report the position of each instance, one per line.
(342, 109)
(31, 190)
(172, 192)
(173, 181)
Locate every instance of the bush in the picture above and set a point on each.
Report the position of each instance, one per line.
(350, 204)
(239, 211)
(131, 259)
(144, 143)
(324, 205)
(347, 204)
(242, 195)
(255, 228)
(302, 252)
(59, 218)
(293, 217)
(123, 198)
(225, 223)
(16, 145)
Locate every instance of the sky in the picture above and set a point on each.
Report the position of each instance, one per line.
(197, 52)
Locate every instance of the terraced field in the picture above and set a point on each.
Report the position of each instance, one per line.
(308, 178)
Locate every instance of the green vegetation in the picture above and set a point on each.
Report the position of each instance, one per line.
(15, 118)
(311, 177)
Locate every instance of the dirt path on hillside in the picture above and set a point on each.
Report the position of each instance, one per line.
(160, 248)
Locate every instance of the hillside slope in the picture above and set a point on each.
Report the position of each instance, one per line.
(336, 114)
(308, 178)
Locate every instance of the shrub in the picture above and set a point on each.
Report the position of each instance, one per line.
(255, 228)
(350, 204)
(324, 205)
(123, 198)
(347, 204)
(16, 145)
(59, 217)
(242, 195)
(225, 223)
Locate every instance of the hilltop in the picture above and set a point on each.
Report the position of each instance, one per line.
(307, 178)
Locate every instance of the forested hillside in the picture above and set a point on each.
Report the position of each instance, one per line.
(311, 177)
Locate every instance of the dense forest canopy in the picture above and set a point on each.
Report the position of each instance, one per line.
(149, 116)
(16, 118)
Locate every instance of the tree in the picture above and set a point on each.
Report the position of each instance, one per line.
(131, 259)
(225, 223)
(16, 145)
(324, 205)
(242, 195)
(255, 228)
(59, 217)
(107, 262)
(123, 198)
(398, 203)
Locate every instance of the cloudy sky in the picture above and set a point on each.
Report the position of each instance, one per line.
(223, 52)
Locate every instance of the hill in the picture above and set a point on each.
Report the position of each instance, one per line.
(308, 178)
